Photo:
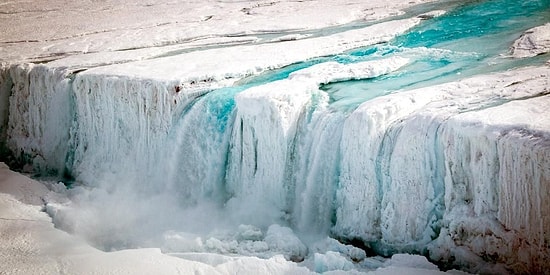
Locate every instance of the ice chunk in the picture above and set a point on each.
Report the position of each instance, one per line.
(329, 244)
(182, 241)
(533, 42)
(282, 239)
(432, 14)
(216, 245)
(249, 232)
(333, 72)
(331, 261)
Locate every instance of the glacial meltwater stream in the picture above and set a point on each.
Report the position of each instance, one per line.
(472, 39)
(361, 146)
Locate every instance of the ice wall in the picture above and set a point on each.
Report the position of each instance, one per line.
(405, 172)
(446, 161)
(277, 126)
(501, 174)
(455, 171)
(5, 90)
(36, 130)
(120, 127)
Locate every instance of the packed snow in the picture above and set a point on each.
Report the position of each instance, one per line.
(290, 137)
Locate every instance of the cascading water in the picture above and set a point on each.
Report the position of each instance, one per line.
(358, 146)
(287, 166)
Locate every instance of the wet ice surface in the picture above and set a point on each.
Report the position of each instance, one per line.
(293, 146)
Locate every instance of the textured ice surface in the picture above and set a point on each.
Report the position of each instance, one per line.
(84, 27)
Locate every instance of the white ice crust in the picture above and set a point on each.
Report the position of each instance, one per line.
(329, 72)
(112, 27)
(196, 68)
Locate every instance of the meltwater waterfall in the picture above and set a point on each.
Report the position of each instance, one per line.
(405, 143)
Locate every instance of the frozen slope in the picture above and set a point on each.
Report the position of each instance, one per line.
(31, 245)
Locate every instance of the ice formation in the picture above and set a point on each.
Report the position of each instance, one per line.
(396, 148)
(533, 42)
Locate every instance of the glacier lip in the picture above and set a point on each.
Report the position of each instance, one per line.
(196, 68)
(414, 154)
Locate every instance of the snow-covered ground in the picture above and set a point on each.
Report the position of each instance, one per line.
(45, 30)
(205, 137)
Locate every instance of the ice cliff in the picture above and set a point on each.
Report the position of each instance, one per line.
(459, 171)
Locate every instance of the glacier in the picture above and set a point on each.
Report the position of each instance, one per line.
(390, 137)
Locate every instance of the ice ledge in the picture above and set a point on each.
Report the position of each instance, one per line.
(330, 72)
(226, 65)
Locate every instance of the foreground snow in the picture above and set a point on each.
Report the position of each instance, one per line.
(31, 245)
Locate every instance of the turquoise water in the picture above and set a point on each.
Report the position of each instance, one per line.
(481, 22)
(473, 38)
